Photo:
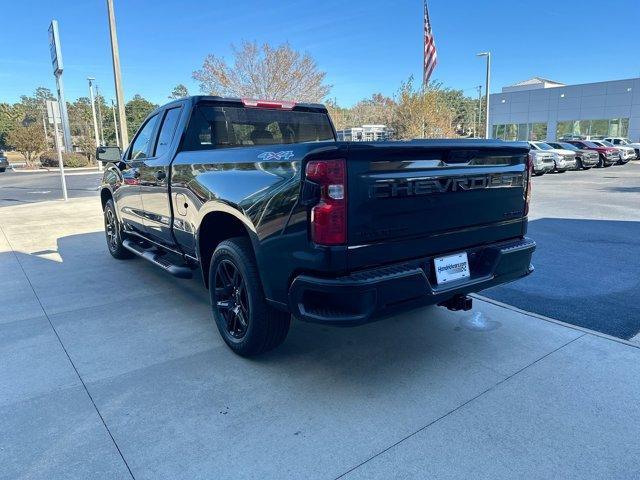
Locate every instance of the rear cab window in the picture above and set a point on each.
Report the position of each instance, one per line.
(213, 126)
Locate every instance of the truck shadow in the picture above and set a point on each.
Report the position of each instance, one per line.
(79, 280)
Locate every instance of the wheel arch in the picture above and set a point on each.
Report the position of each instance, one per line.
(105, 196)
(215, 227)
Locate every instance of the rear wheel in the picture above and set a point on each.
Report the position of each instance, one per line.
(247, 323)
(579, 165)
(2, 170)
(113, 232)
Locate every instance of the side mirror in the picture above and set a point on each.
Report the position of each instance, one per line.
(108, 154)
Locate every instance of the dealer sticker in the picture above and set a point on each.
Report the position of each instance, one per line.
(451, 267)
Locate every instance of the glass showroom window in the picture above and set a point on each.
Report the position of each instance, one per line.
(520, 131)
(615, 127)
(537, 131)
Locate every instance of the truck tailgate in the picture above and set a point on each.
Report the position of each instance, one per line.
(421, 198)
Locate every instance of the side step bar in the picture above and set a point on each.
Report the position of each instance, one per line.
(157, 258)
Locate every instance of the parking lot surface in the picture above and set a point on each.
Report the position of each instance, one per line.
(587, 227)
(30, 187)
(112, 369)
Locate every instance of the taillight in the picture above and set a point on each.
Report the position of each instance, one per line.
(527, 194)
(329, 215)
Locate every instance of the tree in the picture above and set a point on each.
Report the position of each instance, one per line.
(29, 140)
(264, 72)
(422, 113)
(374, 111)
(137, 110)
(35, 106)
(10, 117)
(179, 91)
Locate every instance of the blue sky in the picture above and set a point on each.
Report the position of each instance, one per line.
(364, 46)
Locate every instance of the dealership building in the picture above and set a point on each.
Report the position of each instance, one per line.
(541, 109)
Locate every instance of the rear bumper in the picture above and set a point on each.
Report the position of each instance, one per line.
(371, 294)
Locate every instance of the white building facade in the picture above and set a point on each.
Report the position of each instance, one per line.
(365, 133)
(541, 109)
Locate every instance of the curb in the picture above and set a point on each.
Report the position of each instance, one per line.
(553, 320)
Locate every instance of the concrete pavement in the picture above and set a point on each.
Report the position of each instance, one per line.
(112, 369)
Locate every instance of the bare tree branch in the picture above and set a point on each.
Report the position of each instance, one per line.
(264, 72)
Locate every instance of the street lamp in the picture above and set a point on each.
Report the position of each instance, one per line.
(93, 112)
(486, 90)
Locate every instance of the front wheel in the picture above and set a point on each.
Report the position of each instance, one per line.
(247, 323)
(113, 232)
(2, 170)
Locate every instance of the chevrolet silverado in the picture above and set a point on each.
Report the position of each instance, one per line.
(281, 219)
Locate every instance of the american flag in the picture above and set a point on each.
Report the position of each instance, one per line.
(430, 54)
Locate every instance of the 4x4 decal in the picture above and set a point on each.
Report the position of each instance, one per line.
(283, 155)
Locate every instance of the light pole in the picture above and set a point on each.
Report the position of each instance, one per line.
(115, 54)
(95, 121)
(115, 121)
(486, 90)
(99, 115)
(479, 117)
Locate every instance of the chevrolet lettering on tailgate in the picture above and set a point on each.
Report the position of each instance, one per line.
(432, 185)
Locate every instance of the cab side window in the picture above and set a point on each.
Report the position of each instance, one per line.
(167, 130)
(141, 145)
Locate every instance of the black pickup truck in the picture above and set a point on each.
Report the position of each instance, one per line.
(283, 220)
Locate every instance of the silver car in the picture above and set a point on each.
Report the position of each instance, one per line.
(585, 159)
(564, 159)
(542, 162)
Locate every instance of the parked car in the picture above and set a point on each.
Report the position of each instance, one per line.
(4, 162)
(625, 153)
(543, 162)
(607, 156)
(564, 159)
(617, 141)
(585, 159)
(282, 219)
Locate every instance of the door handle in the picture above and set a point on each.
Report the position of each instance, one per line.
(160, 175)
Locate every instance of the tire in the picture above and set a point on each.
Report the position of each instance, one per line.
(246, 322)
(579, 165)
(113, 233)
(2, 170)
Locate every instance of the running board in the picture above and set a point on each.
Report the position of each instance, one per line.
(152, 255)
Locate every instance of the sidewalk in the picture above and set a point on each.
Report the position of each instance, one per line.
(112, 369)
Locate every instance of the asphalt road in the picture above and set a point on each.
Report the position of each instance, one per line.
(586, 224)
(587, 227)
(16, 188)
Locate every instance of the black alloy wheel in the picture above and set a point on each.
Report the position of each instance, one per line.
(113, 233)
(248, 324)
(232, 302)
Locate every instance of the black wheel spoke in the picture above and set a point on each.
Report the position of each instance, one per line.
(231, 300)
(224, 304)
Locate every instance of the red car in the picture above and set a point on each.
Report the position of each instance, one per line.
(608, 155)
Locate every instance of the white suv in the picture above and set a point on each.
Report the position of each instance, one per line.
(624, 142)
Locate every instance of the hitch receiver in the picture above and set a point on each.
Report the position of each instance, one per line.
(458, 302)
